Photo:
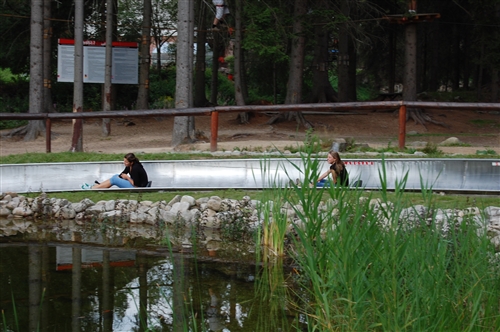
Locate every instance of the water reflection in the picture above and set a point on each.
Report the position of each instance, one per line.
(62, 286)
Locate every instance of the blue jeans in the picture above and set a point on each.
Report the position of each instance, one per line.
(116, 180)
(323, 183)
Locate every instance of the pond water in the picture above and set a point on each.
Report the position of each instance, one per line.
(82, 280)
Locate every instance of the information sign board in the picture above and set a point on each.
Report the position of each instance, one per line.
(124, 69)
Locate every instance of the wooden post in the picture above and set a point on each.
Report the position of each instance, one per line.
(48, 138)
(214, 130)
(402, 126)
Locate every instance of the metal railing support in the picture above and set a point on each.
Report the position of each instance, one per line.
(214, 130)
(48, 137)
(402, 126)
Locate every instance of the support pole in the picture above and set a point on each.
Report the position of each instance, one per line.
(402, 126)
(214, 130)
(48, 137)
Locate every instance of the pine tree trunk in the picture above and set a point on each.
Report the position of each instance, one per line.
(322, 90)
(494, 84)
(239, 91)
(295, 78)
(214, 91)
(145, 59)
(410, 77)
(35, 127)
(456, 40)
(433, 52)
(410, 84)
(77, 140)
(47, 57)
(183, 95)
(106, 123)
(392, 59)
(346, 59)
(200, 99)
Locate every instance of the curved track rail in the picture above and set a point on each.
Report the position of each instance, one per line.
(449, 175)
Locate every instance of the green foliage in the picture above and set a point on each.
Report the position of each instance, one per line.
(6, 76)
(230, 63)
(13, 99)
(362, 269)
(62, 92)
(486, 152)
(162, 86)
(11, 124)
(269, 45)
(163, 103)
(366, 90)
(314, 144)
(92, 156)
(486, 123)
(226, 91)
(237, 228)
(266, 46)
(431, 149)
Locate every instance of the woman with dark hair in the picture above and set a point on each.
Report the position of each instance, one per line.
(337, 169)
(132, 176)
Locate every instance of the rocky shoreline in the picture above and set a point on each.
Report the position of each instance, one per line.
(216, 213)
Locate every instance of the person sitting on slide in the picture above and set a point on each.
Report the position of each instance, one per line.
(134, 175)
(337, 169)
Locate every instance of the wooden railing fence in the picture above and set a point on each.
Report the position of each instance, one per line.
(214, 113)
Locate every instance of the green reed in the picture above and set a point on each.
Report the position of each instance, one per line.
(272, 309)
(361, 268)
(15, 318)
(275, 222)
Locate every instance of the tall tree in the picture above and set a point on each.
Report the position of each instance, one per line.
(200, 98)
(35, 127)
(106, 100)
(295, 78)
(183, 87)
(240, 91)
(217, 49)
(322, 90)
(163, 27)
(486, 14)
(77, 139)
(347, 53)
(47, 57)
(145, 58)
(410, 77)
(410, 84)
(266, 46)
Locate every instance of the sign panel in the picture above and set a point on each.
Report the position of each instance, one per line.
(125, 66)
(94, 64)
(65, 63)
(124, 69)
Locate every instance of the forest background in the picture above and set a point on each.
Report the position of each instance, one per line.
(282, 52)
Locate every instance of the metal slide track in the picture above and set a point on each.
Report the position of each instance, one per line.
(465, 175)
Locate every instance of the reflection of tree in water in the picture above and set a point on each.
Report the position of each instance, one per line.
(213, 313)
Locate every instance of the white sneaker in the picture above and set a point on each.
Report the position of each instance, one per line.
(86, 186)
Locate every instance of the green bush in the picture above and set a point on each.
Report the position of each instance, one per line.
(162, 86)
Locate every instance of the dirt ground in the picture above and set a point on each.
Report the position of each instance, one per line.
(477, 130)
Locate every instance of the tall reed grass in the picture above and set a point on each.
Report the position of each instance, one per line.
(362, 268)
